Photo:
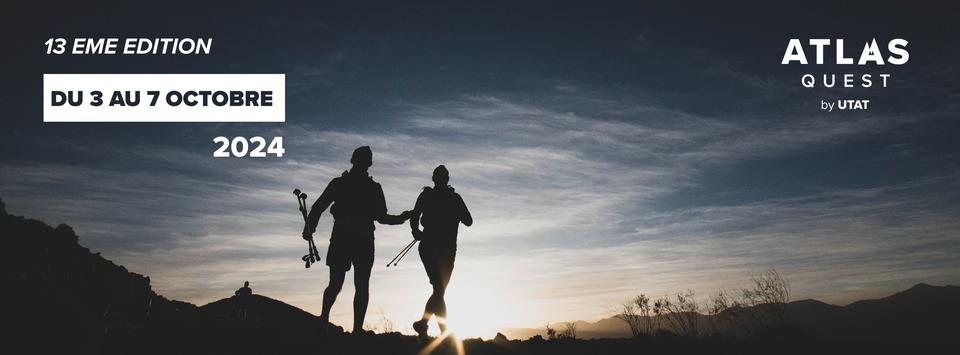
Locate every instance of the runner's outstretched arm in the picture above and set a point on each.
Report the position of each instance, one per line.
(394, 219)
(386, 218)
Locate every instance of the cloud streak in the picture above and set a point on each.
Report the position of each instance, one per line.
(564, 188)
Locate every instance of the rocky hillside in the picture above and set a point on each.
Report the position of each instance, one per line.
(62, 297)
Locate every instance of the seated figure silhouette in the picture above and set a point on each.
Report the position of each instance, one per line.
(245, 290)
(357, 202)
(242, 295)
(440, 210)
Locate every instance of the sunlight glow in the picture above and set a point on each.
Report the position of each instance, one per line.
(472, 314)
(448, 335)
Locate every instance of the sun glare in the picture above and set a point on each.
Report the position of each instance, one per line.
(471, 314)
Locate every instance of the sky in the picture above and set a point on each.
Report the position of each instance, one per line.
(604, 150)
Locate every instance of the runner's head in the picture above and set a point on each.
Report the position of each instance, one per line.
(441, 176)
(362, 157)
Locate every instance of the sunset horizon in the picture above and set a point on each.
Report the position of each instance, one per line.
(603, 150)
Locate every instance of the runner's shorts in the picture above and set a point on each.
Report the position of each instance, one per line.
(438, 263)
(345, 250)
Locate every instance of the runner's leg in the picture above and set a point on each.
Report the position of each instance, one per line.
(361, 281)
(331, 292)
(445, 270)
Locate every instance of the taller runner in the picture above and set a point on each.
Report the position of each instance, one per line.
(357, 202)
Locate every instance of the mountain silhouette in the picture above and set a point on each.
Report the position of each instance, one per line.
(262, 310)
(56, 289)
(256, 324)
(921, 314)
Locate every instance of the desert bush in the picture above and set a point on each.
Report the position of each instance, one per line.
(761, 306)
(569, 331)
(681, 313)
(384, 325)
(747, 310)
(716, 305)
(638, 313)
(551, 333)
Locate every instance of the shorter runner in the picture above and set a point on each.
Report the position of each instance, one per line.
(440, 210)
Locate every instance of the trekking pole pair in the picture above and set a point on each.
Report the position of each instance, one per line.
(396, 259)
(312, 254)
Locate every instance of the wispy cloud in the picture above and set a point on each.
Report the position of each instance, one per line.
(563, 188)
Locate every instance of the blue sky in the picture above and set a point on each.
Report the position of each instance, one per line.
(604, 150)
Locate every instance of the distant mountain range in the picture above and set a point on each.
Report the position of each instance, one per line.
(60, 297)
(921, 312)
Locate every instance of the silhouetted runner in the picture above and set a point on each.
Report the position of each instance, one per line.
(440, 210)
(357, 202)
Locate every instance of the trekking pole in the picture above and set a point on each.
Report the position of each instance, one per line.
(312, 254)
(396, 259)
(405, 252)
(400, 255)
